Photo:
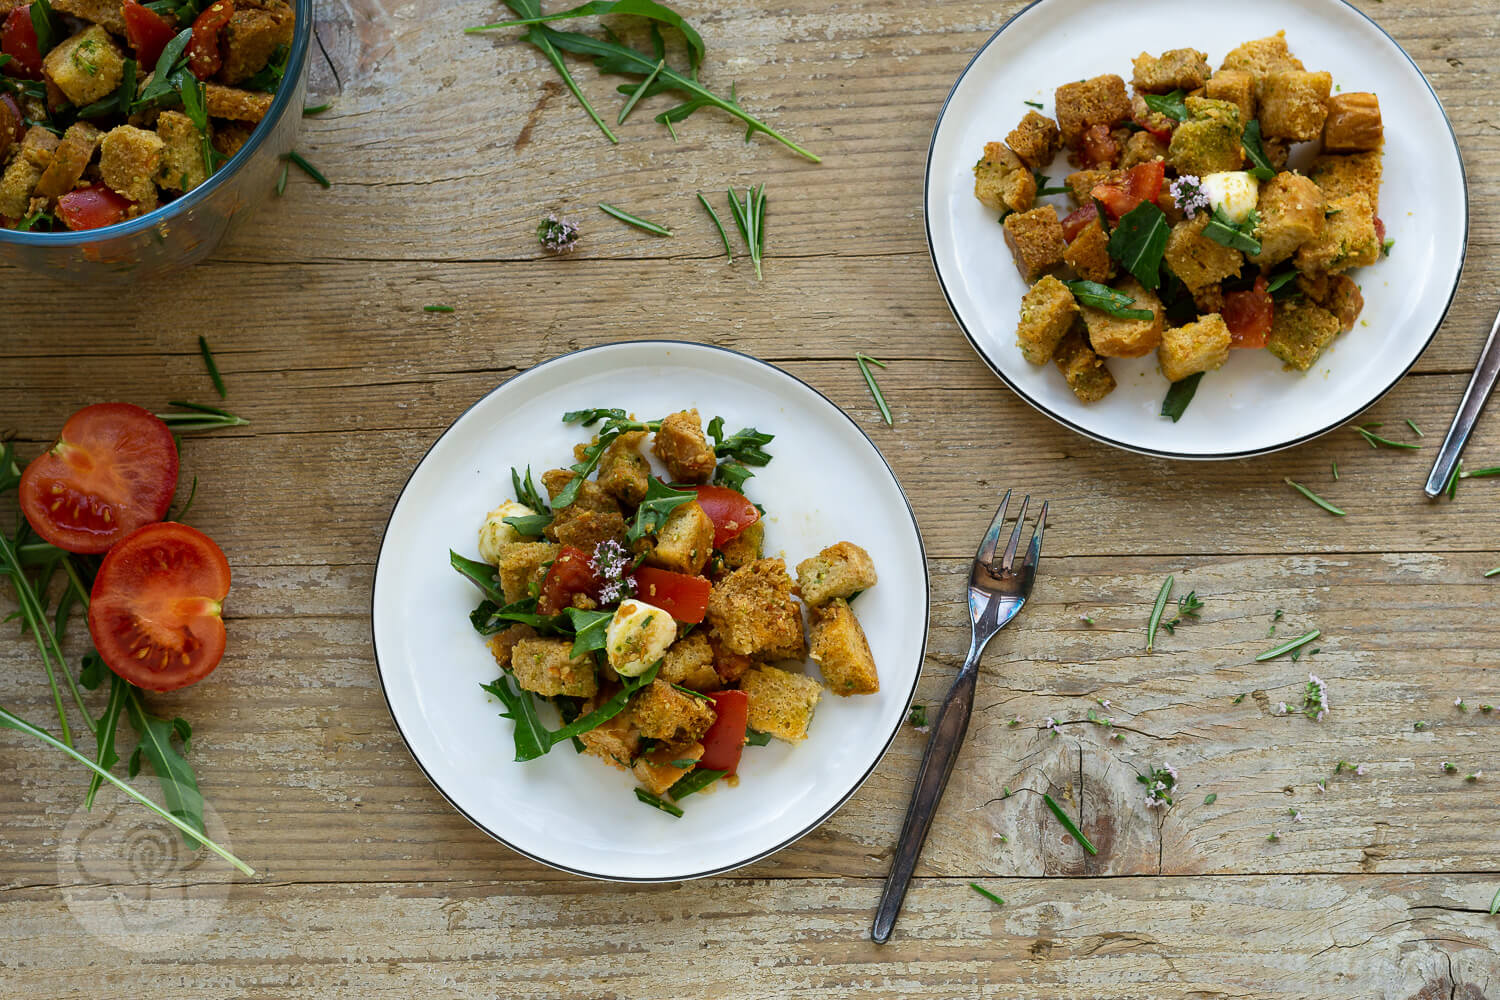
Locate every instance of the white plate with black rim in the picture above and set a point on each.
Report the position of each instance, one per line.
(826, 482)
(1251, 406)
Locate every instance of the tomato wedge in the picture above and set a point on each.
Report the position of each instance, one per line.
(92, 207)
(569, 575)
(683, 597)
(113, 469)
(18, 40)
(156, 611)
(725, 739)
(728, 509)
(1076, 222)
(147, 32)
(1142, 183)
(206, 51)
(1248, 315)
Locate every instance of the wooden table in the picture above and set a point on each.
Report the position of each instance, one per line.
(445, 150)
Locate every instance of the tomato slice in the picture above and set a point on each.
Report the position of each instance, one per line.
(113, 469)
(725, 739)
(205, 51)
(1248, 315)
(1077, 222)
(728, 509)
(569, 575)
(92, 207)
(683, 597)
(18, 40)
(1142, 183)
(147, 32)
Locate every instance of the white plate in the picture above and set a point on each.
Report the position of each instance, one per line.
(826, 482)
(1252, 405)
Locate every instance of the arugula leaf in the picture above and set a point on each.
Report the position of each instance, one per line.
(1251, 142)
(756, 738)
(529, 525)
(599, 8)
(657, 802)
(589, 418)
(526, 491)
(44, 24)
(1107, 300)
(104, 739)
(94, 672)
(179, 786)
(733, 475)
(489, 617)
(1176, 301)
(268, 78)
(746, 446)
(117, 103)
(1173, 105)
(660, 501)
(589, 629)
(1223, 231)
(481, 574)
(1139, 242)
(694, 781)
(161, 85)
(1179, 396)
(615, 424)
(532, 738)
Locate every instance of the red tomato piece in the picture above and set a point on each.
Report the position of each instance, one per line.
(683, 597)
(18, 40)
(1142, 183)
(156, 611)
(206, 51)
(725, 739)
(92, 207)
(147, 32)
(569, 575)
(112, 470)
(1097, 148)
(1248, 315)
(1380, 229)
(1077, 222)
(728, 509)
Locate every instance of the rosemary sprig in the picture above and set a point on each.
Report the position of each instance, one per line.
(639, 92)
(1335, 511)
(1155, 621)
(307, 168)
(633, 220)
(1376, 441)
(213, 369)
(1415, 429)
(1288, 646)
(865, 361)
(1068, 824)
(530, 10)
(750, 218)
(201, 418)
(996, 899)
(1493, 470)
(717, 225)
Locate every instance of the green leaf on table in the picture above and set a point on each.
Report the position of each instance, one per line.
(179, 785)
(109, 725)
(599, 8)
(1139, 242)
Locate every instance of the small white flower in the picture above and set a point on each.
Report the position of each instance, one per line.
(1104, 703)
(1281, 708)
(1322, 785)
(1359, 771)
(1296, 817)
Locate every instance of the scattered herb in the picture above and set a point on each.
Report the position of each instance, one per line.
(1237, 236)
(985, 892)
(717, 225)
(694, 782)
(746, 445)
(750, 219)
(1033, 104)
(1493, 572)
(437, 309)
(1179, 395)
(307, 168)
(528, 9)
(1493, 470)
(1288, 646)
(1335, 511)
(1261, 168)
(636, 221)
(1280, 281)
(640, 91)
(1418, 726)
(556, 235)
(532, 738)
(1155, 621)
(316, 109)
(1107, 300)
(1173, 105)
(1376, 441)
(1335, 470)
(656, 802)
(1159, 784)
(1385, 246)
(1273, 836)
(1495, 903)
(756, 738)
(281, 179)
(588, 629)
(1415, 429)
(213, 369)
(1068, 824)
(1139, 241)
(199, 418)
(1210, 798)
(865, 361)
(917, 716)
(1237, 699)
(1042, 190)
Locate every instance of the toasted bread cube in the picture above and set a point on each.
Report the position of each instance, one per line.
(102, 12)
(503, 643)
(1198, 260)
(182, 167)
(1175, 69)
(660, 769)
(683, 448)
(590, 495)
(1349, 238)
(840, 649)
(729, 666)
(624, 472)
(1035, 141)
(1098, 101)
(664, 713)
(229, 137)
(1237, 87)
(1300, 331)
(1047, 313)
(129, 160)
(1114, 337)
(1353, 124)
(1294, 105)
(523, 563)
(690, 663)
(1209, 299)
(746, 547)
(1142, 147)
(1084, 369)
(235, 104)
(1036, 240)
(1349, 173)
(752, 612)
(781, 702)
(1277, 151)
(839, 571)
(252, 36)
(1201, 346)
(1088, 256)
(1209, 141)
(86, 67)
(685, 540)
(1262, 57)
(1002, 183)
(1337, 293)
(1291, 213)
(30, 161)
(584, 529)
(547, 667)
(69, 160)
(1153, 121)
(1081, 183)
(615, 741)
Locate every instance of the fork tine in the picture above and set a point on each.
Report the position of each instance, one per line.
(1015, 536)
(1034, 550)
(992, 537)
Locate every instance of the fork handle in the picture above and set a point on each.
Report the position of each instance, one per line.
(1480, 386)
(937, 764)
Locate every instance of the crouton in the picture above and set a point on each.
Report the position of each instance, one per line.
(664, 713)
(752, 612)
(1142, 147)
(1081, 183)
(1209, 299)
(690, 663)
(522, 564)
(503, 643)
(108, 13)
(1196, 347)
(1349, 173)
(1198, 260)
(252, 37)
(229, 137)
(746, 547)
(1209, 141)
(1036, 240)
(1098, 101)
(683, 448)
(182, 167)
(1088, 256)
(86, 67)
(1035, 141)
(781, 702)
(1262, 57)
(129, 159)
(1047, 313)
(1294, 105)
(839, 571)
(1175, 69)
(729, 666)
(685, 541)
(624, 472)
(1337, 293)
(614, 741)
(1300, 331)
(1237, 87)
(547, 667)
(590, 495)
(1348, 239)
(1291, 213)
(1084, 369)
(1002, 183)
(30, 162)
(235, 104)
(69, 160)
(1353, 124)
(584, 529)
(1277, 151)
(661, 768)
(839, 647)
(1114, 337)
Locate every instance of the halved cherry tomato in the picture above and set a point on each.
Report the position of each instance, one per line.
(206, 51)
(147, 31)
(728, 509)
(1078, 221)
(1097, 148)
(683, 597)
(18, 40)
(92, 207)
(569, 575)
(156, 610)
(1142, 183)
(113, 469)
(1248, 315)
(725, 739)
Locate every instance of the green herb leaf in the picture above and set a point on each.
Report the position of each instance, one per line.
(864, 362)
(529, 525)
(1225, 232)
(1335, 511)
(1173, 105)
(749, 218)
(268, 78)
(917, 716)
(1281, 280)
(179, 785)
(694, 781)
(1261, 168)
(1139, 242)
(307, 168)
(746, 445)
(1376, 441)
(1033, 104)
(634, 220)
(481, 574)
(732, 475)
(1210, 798)
(1107, 300)
(659, 502)
(1288, 646)
(1156, 612)
(724, 236)
(316, 109)
(656, 802)
(1179, 396)
(199, 418)
(599, 8)
(1068, 824)
(756, 738)
(986, 894)
(526, 491)
(104, 737)
(437, 309)
(589, 629)
(588, 418)
(490, 617)
(532, 738)
(44, 24)
(161, 77)
(213, 368)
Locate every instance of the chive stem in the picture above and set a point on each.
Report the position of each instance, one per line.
(717, 225)
(986, 894)
(213, 369)
(633, 220)
(864, 361)
(437, 309)
(1288, 646)
(307, 168)
(1335, 511)
(1156, 612)
(1068, 824)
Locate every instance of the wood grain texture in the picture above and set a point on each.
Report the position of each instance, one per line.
(444, 149)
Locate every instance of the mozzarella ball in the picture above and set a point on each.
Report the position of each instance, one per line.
(1233, 192)
(637, 636)
(495, 534)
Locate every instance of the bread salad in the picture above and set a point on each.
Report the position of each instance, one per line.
(1190, 233)
(109, 109)
(645, 611)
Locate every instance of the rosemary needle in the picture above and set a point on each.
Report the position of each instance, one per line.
(1156, 612)
(1493, 572)
(1068, 824)
(281, 181)
(437, 309)
(213, 369)
(1415, 429)
(307, 168)
(1495, 903)
(1335, 511)
(994, 898)
(1288, 646)
(635, 221)
(717, 225)
(865, 361)
(1493, 470)
(639, 93)
(1377, 441)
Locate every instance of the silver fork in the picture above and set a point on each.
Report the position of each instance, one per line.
(997, 591)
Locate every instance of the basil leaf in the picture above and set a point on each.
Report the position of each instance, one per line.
(1179, 396)
(1251, 141)
(694, 781)
(1107, 300)
(1172, 105)
(589, 629)
(660, 501)
(657, 802)
(1140, 241)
